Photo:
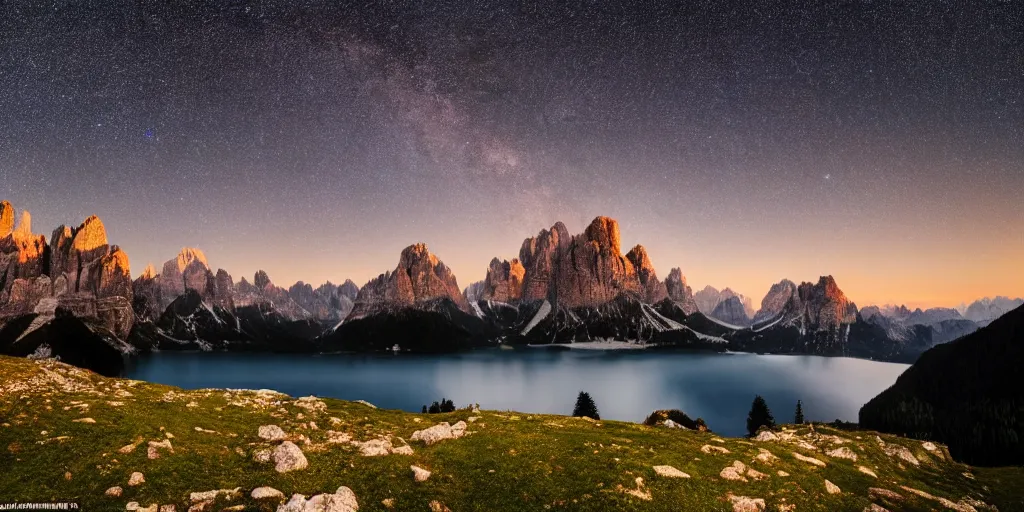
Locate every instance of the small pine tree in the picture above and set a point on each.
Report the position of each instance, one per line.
(424, 409)
(585, 406)
(759, 416)
(799, 418)
(434, 408)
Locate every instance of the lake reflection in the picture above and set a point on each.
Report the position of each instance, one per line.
(627, 385)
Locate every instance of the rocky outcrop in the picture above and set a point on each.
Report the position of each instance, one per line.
(732, 312)
(504, 281)
(419, 278)
(651, 289)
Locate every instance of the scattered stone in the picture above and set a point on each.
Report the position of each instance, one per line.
(263, 455)
(440, 432)
(128, 448)
(809, 460)
(832, 488)
(786, 507)
(368, 404)
(168, 508)
(765, 456)
(288, 457)
(842, 453)
(930, 446)
(136, 478)
(875, 508)
(311, 403)
(766, 436)
(419, 474)
(271, 433)
(734, 472)
(782, 473)
(388, 503)
(373, 447)
(708, 449)
(437, 506)
(879, 493)
(670, 472)
(228, 494)
(866, 471)
(266, 493)
(67, 475)
(114, 492)
(84, 420)
(471, 419)
(745, 504)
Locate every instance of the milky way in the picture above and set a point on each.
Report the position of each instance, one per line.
(879, 144)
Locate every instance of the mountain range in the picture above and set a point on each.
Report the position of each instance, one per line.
(73, 297)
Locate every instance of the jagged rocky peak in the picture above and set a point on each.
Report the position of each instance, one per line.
(190, 255)
(676, 287)
(22, 254)
(707, 298)
(825, 305)
(732, 311)
(188, 270)
(6, 218)
(504, 281)
(419, 277)
(149, 272)
(348, 289)
(539, 256)
(592, 271)
(89, 236)
(774, 302)
(652, 290)
(680, 292)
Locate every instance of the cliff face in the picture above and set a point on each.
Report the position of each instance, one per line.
(419, 278)
(539, 256)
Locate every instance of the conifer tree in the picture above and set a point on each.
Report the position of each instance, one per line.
(759, 416)
(585, 406)
(799, 417)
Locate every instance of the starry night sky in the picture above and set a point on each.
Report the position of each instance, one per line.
(881, 144)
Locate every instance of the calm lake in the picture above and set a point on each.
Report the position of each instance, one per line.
(627, 385)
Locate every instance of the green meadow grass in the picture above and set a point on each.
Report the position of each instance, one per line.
(507, 461)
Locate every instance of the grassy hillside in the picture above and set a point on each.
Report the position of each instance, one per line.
(70, 435)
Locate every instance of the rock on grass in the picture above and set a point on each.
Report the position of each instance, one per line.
(288, 457)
